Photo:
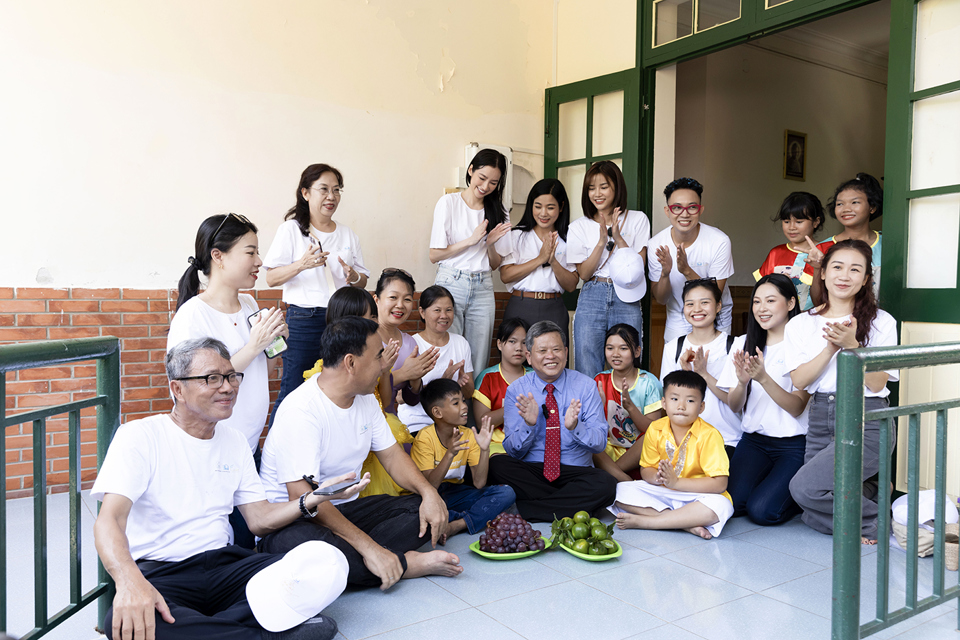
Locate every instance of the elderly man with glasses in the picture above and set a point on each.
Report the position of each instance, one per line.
(167, 486)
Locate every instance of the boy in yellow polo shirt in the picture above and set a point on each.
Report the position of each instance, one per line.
(683, 465)
(444, 451)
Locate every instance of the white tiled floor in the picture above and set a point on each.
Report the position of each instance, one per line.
(752, 582)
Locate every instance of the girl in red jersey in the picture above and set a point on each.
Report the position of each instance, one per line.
(801, 216)
(493, 381)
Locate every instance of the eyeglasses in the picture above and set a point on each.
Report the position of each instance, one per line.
(242, 219)
(610, 242)
(324, 191)
(216, 379)
(677, 209)
(691, 283)
(393, 271)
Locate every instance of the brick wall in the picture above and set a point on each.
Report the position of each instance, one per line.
(140, 318)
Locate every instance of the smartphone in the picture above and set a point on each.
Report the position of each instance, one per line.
(335, 488)
(278, 346)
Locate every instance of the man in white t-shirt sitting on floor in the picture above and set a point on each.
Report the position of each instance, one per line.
(327, 427)
(168, 485)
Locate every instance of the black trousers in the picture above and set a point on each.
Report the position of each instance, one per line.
(206, 594)
(538, 500)
(392, 522)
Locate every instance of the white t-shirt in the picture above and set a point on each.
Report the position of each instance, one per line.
(456, 349)
(310, 288)
(197, 319)
(584, 233)
(711, 257)
(182, 488)
(454, 221)
(518, 247)
(804, 338)
(314, 437)
(715, 411)
(762, 415)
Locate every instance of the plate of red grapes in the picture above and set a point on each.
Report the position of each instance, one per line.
(508, 537)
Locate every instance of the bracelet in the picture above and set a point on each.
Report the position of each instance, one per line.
(357, 280)
(303, 507)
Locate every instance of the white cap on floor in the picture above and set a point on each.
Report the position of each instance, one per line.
(628, 275)
(298, 586)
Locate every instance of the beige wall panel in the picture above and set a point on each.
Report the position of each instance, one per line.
(928, 385)
(594, 38)
(126, 125)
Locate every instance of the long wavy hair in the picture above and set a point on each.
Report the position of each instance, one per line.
(493, 211)
(864, 303)
(552, 187)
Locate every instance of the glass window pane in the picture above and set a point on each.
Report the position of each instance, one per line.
(938, 43)
(936, 142)
(710, 13)
(572, 179)
(573, 130)
(933, 235)
(608, 123)
(672, 19)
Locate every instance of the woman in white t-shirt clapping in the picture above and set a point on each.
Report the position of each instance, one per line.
(227, 254)
(608, 247)
(311, 257)
(466, 226)
(453, 357)
(534, 266)
(758, 383)
(849, 319)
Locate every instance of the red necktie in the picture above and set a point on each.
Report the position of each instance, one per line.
(551, 446)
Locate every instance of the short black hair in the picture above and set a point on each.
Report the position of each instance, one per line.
(508, 326)
(350, 301)
(683, 183)
(801, 205)
(436, 392)
(347, 335)
(686, 380)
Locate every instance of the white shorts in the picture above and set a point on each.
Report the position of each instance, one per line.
(640, 493)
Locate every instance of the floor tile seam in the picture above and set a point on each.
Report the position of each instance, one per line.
(629, 604)
(501, 623)
(409, 624)
(524, 593)
(909, 629)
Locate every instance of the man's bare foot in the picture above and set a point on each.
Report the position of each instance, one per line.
(432, 563)
(700, 531)
(867, 541)
(628, 520)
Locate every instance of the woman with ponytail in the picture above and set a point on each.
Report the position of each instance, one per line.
(226, 253)
(466, 226)
(848, 319)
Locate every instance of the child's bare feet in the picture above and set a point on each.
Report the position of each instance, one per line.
(628, 520)
(432, 563)
(700, 531)
(455, 527)
(867, 541)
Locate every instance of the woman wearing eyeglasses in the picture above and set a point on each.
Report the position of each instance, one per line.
(226, 252)
(688, 250)
(311, 257)
(608, 246)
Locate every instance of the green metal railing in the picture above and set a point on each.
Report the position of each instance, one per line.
(848, 494)
(16, 357)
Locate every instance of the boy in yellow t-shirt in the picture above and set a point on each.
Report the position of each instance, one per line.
(444, 451)
(683, 465)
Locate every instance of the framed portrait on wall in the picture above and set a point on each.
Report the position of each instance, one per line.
(794, 155)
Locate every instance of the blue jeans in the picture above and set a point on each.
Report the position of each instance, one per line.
(474, 309)
(598, 309)
(476, 506)
(306, 325)
(760, 474)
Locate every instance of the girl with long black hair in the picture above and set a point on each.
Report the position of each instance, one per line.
(758, 383)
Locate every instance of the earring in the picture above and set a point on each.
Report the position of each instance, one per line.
(220, 264)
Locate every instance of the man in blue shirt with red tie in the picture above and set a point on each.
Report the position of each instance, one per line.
(552, 435)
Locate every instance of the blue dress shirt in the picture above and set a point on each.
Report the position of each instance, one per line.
(577, 446)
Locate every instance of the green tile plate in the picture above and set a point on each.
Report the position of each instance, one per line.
(475, 547)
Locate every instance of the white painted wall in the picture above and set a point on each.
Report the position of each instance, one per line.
(732, 109)
(124, 124)
(594, 38)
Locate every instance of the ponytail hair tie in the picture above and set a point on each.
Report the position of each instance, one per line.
(194, 263)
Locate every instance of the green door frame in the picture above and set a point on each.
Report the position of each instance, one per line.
(910, 305)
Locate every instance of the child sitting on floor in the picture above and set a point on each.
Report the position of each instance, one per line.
(684, 468)
(443, 452)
